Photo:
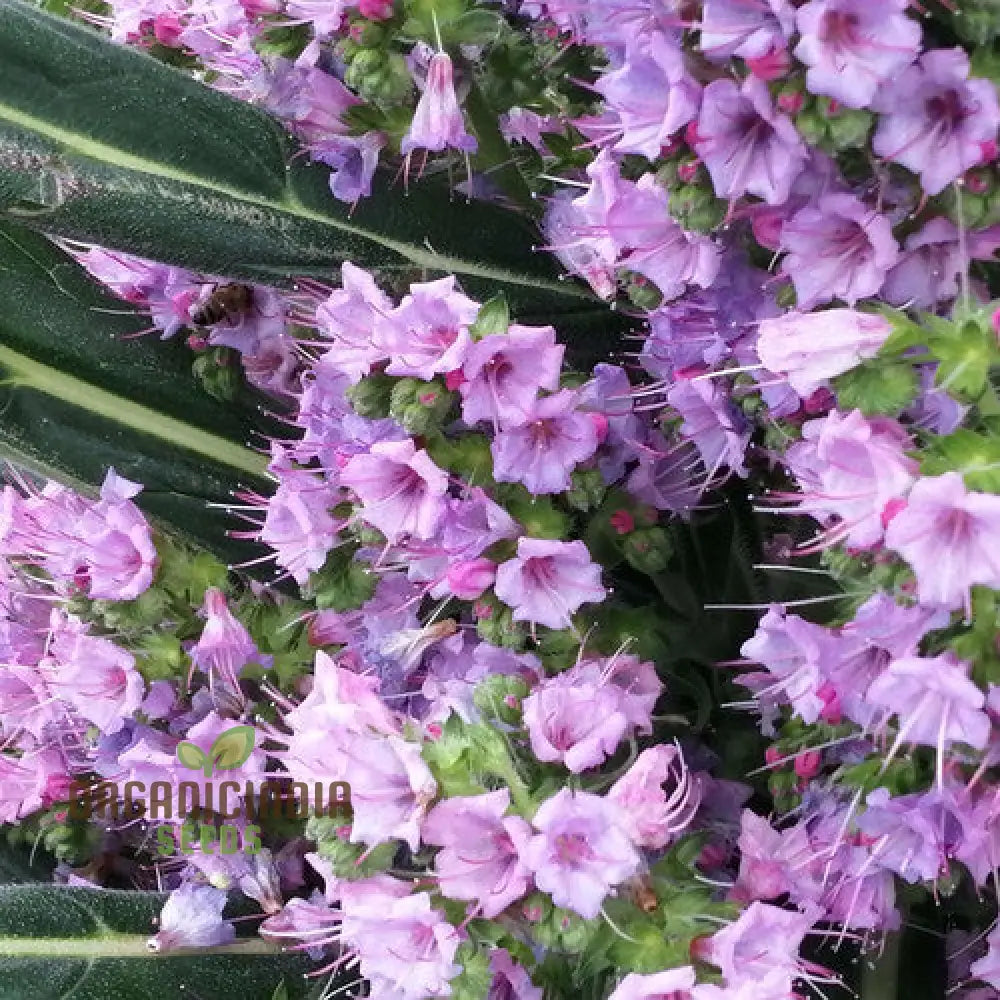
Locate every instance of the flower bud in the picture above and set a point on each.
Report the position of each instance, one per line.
(468, 579)
(648, 549)
(371, 396)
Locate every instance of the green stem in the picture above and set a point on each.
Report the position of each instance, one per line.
(494, 156)
(880, 973)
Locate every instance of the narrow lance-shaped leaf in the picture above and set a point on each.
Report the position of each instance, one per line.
(91, 944)
(77, 397)
(102, 143)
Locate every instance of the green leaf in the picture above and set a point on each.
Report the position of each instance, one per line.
(77, 396)
(99, 142)
(191, 756)
(975, 456)
(232, 748)
(876, 388)
(91, 944)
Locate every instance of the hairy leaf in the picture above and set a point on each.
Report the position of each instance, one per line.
(90, 944)
(77, 397)
(102, 143)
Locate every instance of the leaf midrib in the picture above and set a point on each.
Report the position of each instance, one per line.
(111, 945)
(93, 149)
(25, 372)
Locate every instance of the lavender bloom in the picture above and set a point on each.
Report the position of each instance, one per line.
(548, 581)
(852, 47)
(746, 146)
(545, 445)
(580, 852)
(711, 423)
(192, 918)
(950, 536)
(809, 348)
(987, 968)
(510, 980)
(935, 120)
(480, 859)
(353, 160)
(401, 490)
(837, 248)
(437, 122)
(653, 95)
(503, 373)
(747, 28)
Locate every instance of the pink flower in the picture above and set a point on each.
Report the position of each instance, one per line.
(934, 119)
(747, 147)
(950, 537)
(503, 373)
(96, 677)
(850, 470)
(548, 581)
(348, 317)
(192, 918)
(656, 796)
(469, 579)
(809, 348)
(480, 857)
(763, 942)
(987, 968)
(546, 443)
(574, 719)
(746, 28)
(772, 863)
(427, 334)
(837, 248)
(652, 94)
(852, 47)
(25, 783)
(935, 702)
(510, 980)
(580, 851)
(673, 983)
(437, 122)
(401, 490)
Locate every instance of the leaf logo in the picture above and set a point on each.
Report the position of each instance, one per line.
(230, 750)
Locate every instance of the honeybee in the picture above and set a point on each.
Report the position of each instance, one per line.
(227, 302)
(640, 891)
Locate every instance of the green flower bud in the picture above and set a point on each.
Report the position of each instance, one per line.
(558, 649)
(160, 657)
(642, 293)
(421, 407)
(786, 297)
(495, 624)
(468, 456)
(849, 128)
(342, 584)
(648, 549)
(370, 398)
(588, 489)
(499, 696)
(219, 373)
(812, 126)
(539, 517)
(565, 931)
(696, 208)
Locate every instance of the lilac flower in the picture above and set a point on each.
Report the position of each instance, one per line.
(548, 581)
(747, 147)
(650, 243)
(656, 796)
(427, 334)
(546, 443)
(510, 980)
(837, 248)
(987, 968)
(437, 122)
(96, 677)
(772, 862)
(192, 918)
(852, 47)
(935, 120)
(27, 783)
(935, 702)
(480, 857)
(580, 852)
(747, 28)
(764, 941)
(792, 651)
(225, 647)
(401, 490)
(405, 947)
(771, 986)
(850, 471)
(353, 160)
(575, 720)
(809, 348)
(711, 423)
(117, 543)
(950, 536)
(347, 318)
(503, 373)
(669, 983)
(652, 94)
(298, 524)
